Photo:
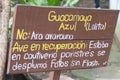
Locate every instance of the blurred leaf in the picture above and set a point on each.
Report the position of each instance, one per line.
(41, 2)
(22, 1)
(73, 2)
(31, 2)
(53, 2)
(37, 2)
(70, 2)
(10, 28)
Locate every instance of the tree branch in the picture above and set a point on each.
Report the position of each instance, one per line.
(4, 19)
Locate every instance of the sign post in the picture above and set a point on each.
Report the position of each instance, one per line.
(54, 75)
(56, 38)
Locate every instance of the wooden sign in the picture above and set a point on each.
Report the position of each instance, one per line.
(56, 38)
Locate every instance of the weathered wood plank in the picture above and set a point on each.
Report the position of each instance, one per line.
(27, 56)
(57, 38)
(58, 23)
